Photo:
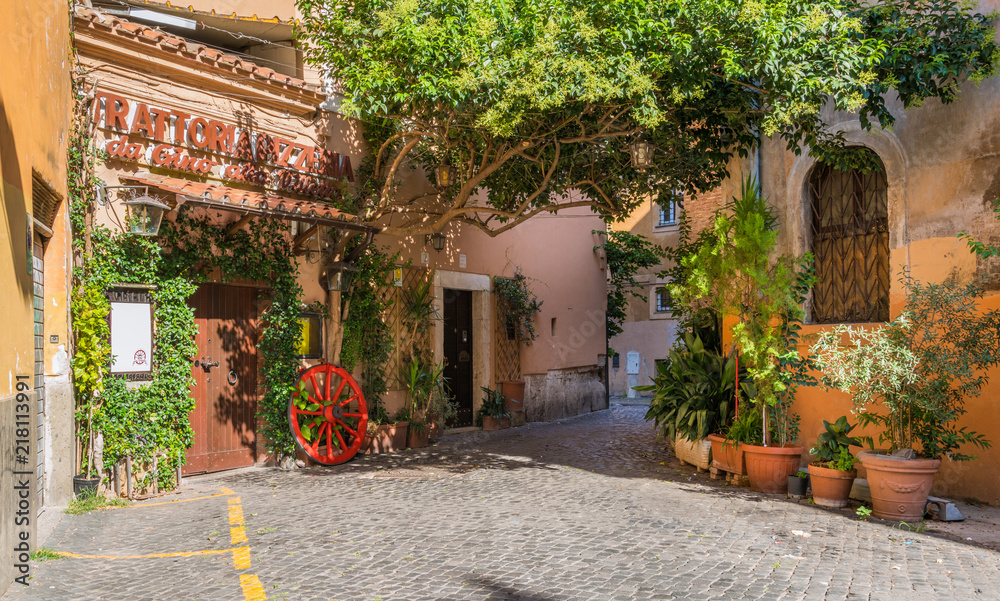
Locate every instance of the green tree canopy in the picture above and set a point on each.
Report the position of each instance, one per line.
(535, 102)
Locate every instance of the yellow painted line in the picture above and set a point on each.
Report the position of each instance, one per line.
(226, 491)
(234, 500)
(237, 534)
(235, 515)
(252, 589)
(241, 558)
(180, 500)
(156, 555)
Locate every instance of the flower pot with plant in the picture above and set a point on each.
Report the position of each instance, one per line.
(693, 394)
(798, 483)
(493, 414)
(385, 433)
(911, 379)
(833, 473)
(736, 273)
(423, 382)
(516, 307)
(90, 310)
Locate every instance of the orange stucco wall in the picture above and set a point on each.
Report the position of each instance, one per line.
(943, 170)
(35, 106)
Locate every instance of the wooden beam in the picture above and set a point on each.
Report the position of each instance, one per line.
(239, 224)
(304, 236)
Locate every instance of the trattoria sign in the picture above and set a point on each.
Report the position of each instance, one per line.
(228, 151)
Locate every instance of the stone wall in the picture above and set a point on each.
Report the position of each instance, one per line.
(562, 393)
(17, 486)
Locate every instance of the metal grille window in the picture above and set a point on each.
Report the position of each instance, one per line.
(663, 301)
(668, 213)
(849, 227)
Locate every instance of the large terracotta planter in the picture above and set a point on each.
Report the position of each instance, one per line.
(417, 440)
(831, 488)
(513, 392)
(727, 455)
(899, 486)
(768, 468)
(695, 452)
(386, 438)
(495, 423)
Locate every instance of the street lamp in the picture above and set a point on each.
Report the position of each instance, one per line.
(145, 214)
(436, 241)
(642, 154)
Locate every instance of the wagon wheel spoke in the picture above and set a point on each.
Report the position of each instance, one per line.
(353, 398)
(346, 427)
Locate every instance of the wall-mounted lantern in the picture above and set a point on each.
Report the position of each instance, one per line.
(445, 175)
(338, 276)
(642, 154)
(436, 241)
(145, 214)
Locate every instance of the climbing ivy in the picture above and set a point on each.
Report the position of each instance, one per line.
(368, 339)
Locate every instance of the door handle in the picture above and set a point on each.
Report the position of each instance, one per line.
(206, 364)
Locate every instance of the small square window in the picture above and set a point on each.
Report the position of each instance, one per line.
(311, 343)
(663, 300)
(668, 213)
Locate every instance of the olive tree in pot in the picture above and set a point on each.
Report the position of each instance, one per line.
(738, 273)
(911, 379)
(832, 473)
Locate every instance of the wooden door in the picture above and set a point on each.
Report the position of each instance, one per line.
(225, 374)
(458, 352)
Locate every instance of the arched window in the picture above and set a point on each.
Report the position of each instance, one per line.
(849, 227)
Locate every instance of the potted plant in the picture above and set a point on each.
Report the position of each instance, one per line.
(911, 379)
(492, 413)
(423, 381)
(833, 473)
(385, 433)
(693, 393)
(736, 273)
(516, 306)
(90, 310)
(798, 483)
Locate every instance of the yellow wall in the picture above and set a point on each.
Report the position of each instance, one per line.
(35, 106)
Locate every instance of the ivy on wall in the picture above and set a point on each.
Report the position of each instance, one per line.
(368, 339)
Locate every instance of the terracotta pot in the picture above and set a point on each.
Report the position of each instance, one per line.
(495, 423)
(513, 392)
(768, 468)
(899, 486)
(386, 438)
(831, 488)
(418, 440)
(727, 455)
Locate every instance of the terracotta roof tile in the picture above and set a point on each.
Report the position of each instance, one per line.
(238, 200)
(188, 49)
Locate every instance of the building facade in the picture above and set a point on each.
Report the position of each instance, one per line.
(216, 118)
(36, 407)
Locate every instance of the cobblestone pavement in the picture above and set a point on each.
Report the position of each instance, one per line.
(588, 508)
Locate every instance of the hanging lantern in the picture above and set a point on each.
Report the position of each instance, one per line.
(445, 175)
(145, 214)
(338, 276)
(642, 154)
(436, 241)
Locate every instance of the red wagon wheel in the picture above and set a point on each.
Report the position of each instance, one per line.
(328, 415)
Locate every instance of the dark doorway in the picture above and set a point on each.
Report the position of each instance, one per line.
(458, 352)
(225, 374)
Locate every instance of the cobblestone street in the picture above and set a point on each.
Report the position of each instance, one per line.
(588, 508)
